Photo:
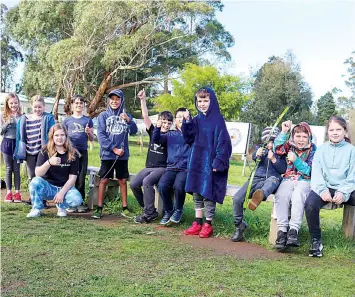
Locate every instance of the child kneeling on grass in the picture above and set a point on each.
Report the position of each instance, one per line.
(295, 185)
(56, 171)
(208, 163)
(333, 179)
(114, 124)
(265, 182)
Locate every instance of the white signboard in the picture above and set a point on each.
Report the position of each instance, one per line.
(318, 135)
(239, 134)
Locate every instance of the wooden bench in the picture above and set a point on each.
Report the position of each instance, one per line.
(348, 215)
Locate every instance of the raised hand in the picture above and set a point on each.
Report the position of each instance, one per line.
(88, 130)
(286, 126)
(54, 160)
(141, 95)
(124, 116)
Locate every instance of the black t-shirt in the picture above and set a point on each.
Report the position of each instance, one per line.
(157, 154)
(58, 175)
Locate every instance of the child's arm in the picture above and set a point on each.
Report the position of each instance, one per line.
(281, 145)
(259, 153)
(145, 114)
(157, 137)
(223, 151)
(103, 137)
(279, 163)
(317, 179)
(188, 129)
(347, 186)
(303, 166)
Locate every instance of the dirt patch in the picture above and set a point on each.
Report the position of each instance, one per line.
(224, 246)
(12, 287)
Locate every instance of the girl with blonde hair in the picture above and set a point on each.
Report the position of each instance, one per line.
(8, 120)
(56, 173)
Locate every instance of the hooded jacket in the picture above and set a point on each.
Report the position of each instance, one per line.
(113, 131)
(47, 122)
(302, 167)
(334, 168)
(211, 149)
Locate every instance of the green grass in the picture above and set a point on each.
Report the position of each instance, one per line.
(57, 257)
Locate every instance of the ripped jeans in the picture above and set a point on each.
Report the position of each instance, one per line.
(41, 190)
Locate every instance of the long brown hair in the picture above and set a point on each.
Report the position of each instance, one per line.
(7, 110)
(50, 147)
(341, 122)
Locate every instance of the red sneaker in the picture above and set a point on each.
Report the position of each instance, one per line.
(8, 197)
(194, 229)
(207, 231)
(17, 198)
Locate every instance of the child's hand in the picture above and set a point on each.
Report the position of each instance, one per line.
(88, 130)
(124, 116)
(286, 126)
(54, 160)
(338, 198)
(260, 152)
(58, 198)
(159, 122)
(141, 95)
(214, 170)
(271, 156)
(291, 156)
(326, 197)
(118, 152)
(186, 115)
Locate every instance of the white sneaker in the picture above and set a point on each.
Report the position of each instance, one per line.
(61, 212)
(72, 209)
(34, 213)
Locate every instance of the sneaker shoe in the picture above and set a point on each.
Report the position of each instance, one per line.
(82, 208)
(34, 213)
(72, 209)
(61, 212)
(238, 235)
(206, 231)
(166, 217)
(17, 198)
(316, 248)
(256, 199)
(127, 214)
(195, 229)
(8, 198)
(145, 219)
(292, 238)
(177, 215)
(97, 214)
(280, 242)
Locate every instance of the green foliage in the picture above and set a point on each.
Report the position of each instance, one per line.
(325, 108)
(229, 89)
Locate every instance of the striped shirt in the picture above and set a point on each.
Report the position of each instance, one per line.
(33, 136)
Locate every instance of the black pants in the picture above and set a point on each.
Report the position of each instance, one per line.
(313, 205)
(83, 166)
(31, 161)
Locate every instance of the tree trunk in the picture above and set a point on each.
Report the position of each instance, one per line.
(98, 96)
(56, 102)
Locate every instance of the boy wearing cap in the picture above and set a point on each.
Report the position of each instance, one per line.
(266, 181)
(114, 124)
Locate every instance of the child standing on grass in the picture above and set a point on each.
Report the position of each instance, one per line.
(114, 124)
(333, 179)
(265, 182)
(155, 165)
(56, 172)
(174, 176)
(8, 120)
(295, 185)
(208, 163)
(80, 131)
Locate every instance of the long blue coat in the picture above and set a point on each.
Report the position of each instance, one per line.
(211, 149)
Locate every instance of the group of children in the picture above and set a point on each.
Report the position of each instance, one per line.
(193, 158)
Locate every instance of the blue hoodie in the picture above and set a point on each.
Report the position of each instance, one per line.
(113, 131)
(211, 149)
(334, 167)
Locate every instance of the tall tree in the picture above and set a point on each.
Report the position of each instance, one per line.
(230, 90)
(95, 46)
(10, 56)
(325, 108)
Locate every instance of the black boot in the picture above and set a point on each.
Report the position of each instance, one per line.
(292, 238)
(280, 242)
(238, 235)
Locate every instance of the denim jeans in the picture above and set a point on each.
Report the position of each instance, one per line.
(268, 185)
(172, 181)
(313, 205)
(41, 190)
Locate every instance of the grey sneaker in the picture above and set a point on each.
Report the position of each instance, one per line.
(316, 248)
(82, 208)
(72, 209)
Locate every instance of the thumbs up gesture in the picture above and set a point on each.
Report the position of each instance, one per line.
(124, 116)
(141, 94)
(88, 130)
(54, 160)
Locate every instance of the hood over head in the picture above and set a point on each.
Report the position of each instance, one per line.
(119, 110)
(213, 109)
(307, 128)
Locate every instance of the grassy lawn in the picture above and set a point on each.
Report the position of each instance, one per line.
(74, 256)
